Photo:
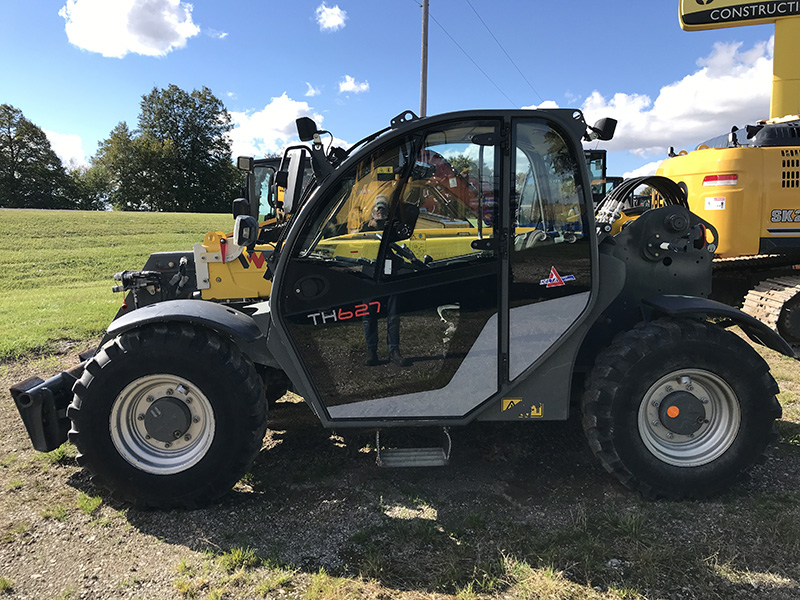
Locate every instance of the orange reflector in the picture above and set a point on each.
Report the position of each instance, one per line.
(673, 411)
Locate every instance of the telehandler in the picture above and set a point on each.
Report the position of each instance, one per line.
(530, 311)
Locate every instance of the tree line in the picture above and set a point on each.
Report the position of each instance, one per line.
(177, 159)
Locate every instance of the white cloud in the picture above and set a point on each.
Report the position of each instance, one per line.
(732, 87)
(114, 29)
(348, 84)
(68, 147)
(644, 170)
(270, 129)
(330, 18)
(220, 35)
(545, 104)
(312, 91)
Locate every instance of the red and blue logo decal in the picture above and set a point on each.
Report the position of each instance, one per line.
(556, 280)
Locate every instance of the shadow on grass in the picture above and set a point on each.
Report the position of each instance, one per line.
(515, 496)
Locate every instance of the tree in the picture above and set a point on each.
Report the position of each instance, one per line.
(31, 175)
(179, 158)
(89, 188)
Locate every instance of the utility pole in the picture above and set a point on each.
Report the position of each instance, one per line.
(423, 83)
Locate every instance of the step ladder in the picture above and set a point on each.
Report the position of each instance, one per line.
(413, 457)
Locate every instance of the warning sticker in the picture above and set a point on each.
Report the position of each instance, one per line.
(715, 203)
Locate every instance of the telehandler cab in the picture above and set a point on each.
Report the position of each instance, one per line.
(525, 311)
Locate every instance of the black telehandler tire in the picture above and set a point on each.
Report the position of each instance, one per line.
(168, 415)
(680, 409)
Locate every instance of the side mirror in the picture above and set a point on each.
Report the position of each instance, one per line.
(245, 231)
(306, 129)
(241, 207)
(603, 130)
(294, 180)
(244, 163)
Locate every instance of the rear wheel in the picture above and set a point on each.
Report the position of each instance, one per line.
(680, 409)
(168, 415)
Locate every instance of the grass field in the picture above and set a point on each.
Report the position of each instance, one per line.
(56, 268)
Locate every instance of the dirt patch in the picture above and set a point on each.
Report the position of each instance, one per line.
(515, 497)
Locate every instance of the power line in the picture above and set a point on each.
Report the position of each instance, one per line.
(430, 14)
(504, 51)
(472, 60)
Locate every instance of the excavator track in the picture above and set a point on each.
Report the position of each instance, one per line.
(776, 302)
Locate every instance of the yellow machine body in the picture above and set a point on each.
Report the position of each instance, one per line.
(751, 195)
(242, 276)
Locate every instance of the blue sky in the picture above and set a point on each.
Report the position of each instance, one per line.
(76, 68)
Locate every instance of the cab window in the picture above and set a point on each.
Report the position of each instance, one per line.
(417, 204)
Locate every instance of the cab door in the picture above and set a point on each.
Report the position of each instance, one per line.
(399, 253)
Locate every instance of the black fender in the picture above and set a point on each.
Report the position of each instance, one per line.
(227, 321)
(692, 306)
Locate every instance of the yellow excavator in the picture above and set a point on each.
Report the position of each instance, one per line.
(747, 183)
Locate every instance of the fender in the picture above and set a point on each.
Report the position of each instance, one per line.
(687, 306)
(215, 316)
(238, 326)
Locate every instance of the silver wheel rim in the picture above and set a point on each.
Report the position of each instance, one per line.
(161, 457)
(713, 437)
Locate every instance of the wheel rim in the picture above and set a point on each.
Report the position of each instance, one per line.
(162, 424)
(706, 437)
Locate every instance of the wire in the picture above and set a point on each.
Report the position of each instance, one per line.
(430, 14)
(504, 51)
(473, 61)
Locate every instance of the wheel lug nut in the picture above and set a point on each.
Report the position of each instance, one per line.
(670, 436)
(195, 419)
(167, 444)
(187, 437)
(176, 434)
(150, 398)
(655, 403)
(654, 422)
(140, 417)
(188, 401)
(170, 391)
(669, 388)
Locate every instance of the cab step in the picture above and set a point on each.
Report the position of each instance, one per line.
(413, 457)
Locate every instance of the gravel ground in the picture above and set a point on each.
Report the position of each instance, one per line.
(315, 500)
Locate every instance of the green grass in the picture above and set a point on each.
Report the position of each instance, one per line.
(89, 504)
(58, 512)
(56, 268)
(239, 558)
(6, 585)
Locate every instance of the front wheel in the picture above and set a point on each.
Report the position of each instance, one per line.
(168, 415)
(680, 409)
